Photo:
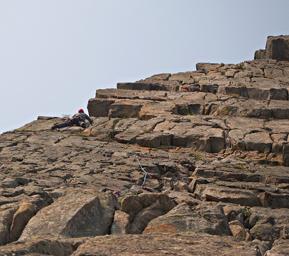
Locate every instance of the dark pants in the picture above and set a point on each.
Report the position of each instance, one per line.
(70, 122)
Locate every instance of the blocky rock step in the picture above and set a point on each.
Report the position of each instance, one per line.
(255, 198)
(204, 133)
(239, 183)
(145, 105)
(252, 92)
(259, 79)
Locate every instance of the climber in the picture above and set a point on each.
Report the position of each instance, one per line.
(79, 119)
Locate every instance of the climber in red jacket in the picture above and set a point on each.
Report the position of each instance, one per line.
(79, 119)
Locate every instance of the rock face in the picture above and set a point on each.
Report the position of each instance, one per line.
(175, 164)
(277, 48)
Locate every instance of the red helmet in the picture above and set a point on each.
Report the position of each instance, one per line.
(80, 110)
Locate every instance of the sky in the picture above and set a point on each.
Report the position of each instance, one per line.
(54, 54)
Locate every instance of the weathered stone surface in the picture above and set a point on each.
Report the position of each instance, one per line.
(15, 213)
(78, 214)
(55, 247)
(120, 223)
(277, 218)
(143, 208)
(25, 211)
(202, 218)
(263, 231)
(6, 216)
(204, 152)
(277, 48)
(280, 248)
(179, 125)
(259, 141)
(158, 245)
(154, 140)
(260, 54)
(275, 200)
(238, 230)
(229, 195)
(99, 107)
(206, 67)
(124, 109)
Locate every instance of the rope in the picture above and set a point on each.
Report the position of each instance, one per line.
(143, 170)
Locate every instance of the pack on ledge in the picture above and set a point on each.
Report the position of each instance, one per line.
(191, 163)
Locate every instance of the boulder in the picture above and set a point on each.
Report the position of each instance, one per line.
(26, 210)
(202, 218)
(77, 214)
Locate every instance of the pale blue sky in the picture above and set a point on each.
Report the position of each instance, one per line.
(54, 54)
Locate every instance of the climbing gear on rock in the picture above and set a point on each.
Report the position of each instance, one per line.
(80, 119)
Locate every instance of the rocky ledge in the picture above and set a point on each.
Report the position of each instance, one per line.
(175, 164)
